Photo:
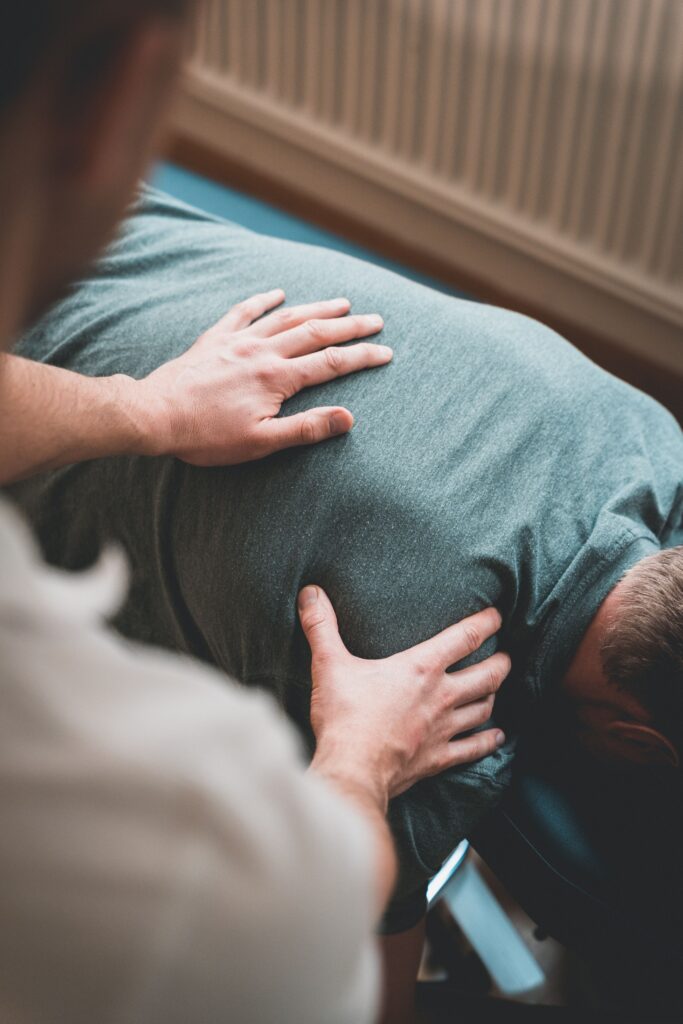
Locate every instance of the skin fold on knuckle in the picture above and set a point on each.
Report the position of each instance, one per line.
(282, 319)
(317, 331)
(334, 359)
(266, 373)
(472, 637)
(245, 348)
(308, 430)
(492, 677)
(421, 670)
(312, 620)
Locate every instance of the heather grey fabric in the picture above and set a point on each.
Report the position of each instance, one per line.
(491, 463)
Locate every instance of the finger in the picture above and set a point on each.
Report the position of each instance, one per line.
(305, 428)
(331, 363)
(244, 313)
(471, 748)
(471, 716)
(459, 641)
(293, 316)
(477, 681)
(317, 334)
(319, 623)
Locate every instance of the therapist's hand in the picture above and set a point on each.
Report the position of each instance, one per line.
(396, 720)
(217, 403)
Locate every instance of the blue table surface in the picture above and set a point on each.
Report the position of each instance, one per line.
(268, 220)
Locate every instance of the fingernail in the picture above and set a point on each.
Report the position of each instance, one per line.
(500, 738)
(375, 321)
(338, 424)
(385, 350)
(341, 302)
(309, 595)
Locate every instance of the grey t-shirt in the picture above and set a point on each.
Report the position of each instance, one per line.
(491, 463)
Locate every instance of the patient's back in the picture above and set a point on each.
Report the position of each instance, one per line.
(490, 463)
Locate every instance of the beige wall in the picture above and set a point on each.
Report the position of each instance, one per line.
(535, 144)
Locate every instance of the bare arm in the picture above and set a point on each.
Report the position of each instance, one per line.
(381, 726)
(51, 417)
(217, 404)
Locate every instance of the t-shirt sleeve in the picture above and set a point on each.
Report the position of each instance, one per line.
(164, 855)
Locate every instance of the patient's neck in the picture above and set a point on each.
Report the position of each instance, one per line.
(585, 672)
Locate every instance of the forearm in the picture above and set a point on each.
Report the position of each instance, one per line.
(51, 417)
(370, 798)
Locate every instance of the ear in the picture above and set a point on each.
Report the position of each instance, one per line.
(106, 139)
(645, 745)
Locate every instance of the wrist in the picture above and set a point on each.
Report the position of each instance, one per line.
(146, 420)
(352, 771)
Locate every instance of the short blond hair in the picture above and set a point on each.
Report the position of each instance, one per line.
(642, 649)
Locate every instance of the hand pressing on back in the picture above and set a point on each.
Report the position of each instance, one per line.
(218, 403)
(381, 726)
(394, 721)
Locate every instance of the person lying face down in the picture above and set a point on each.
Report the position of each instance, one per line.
(490, 464)
(624, 683)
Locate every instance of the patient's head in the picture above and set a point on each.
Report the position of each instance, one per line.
(83, 84)
(626, 680)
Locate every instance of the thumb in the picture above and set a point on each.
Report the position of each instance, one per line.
(307, 427)
(319, 622)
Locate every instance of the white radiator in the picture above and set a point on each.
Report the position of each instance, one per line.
(537, 144)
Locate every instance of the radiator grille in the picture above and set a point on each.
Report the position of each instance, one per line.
(554, 123)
